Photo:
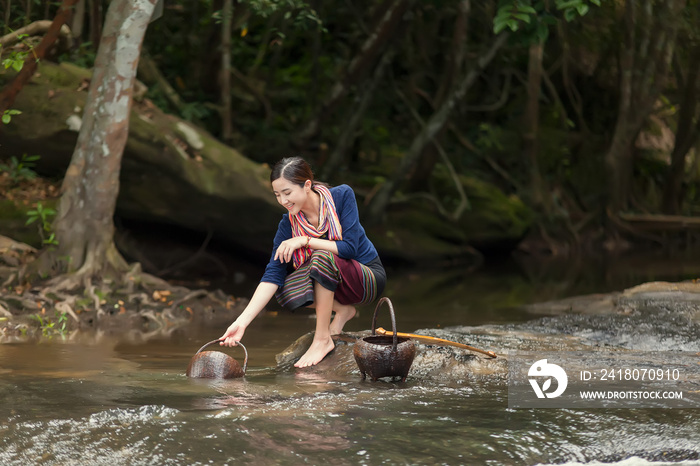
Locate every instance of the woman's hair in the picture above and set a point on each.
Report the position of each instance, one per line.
(294, 169)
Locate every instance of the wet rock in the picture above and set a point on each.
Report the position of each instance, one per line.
(588, 304)
(431, 363)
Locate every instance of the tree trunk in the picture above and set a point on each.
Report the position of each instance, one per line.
(84, 226)
(686, 135)
(649, 39)
(358, 66)
(8, 9)
(380, 201)
(531, 120)
(95, 22)
(316, 47)
(78, 20)
(225, 75)
(7, 97)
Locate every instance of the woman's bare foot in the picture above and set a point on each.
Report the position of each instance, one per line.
(343, 313)
(317, 351)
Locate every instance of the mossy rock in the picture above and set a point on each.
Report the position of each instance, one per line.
(172, 172)
(414, 231)
(495, 220)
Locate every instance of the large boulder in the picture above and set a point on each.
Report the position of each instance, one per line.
(172, 172)
(416, 232)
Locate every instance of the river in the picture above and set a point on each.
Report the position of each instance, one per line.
(96, 399)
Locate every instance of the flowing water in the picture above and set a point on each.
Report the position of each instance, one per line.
(97, 400)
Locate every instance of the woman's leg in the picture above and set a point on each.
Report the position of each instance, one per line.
(343, 313)
(323, 343)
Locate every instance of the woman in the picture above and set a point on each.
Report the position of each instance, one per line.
(335, 265)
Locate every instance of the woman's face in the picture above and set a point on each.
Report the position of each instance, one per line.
(291, 196)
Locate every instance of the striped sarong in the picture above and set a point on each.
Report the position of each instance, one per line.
(352, 282)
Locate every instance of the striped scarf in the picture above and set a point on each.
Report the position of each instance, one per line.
(328, 222)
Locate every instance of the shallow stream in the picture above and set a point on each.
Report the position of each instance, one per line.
(96, 400)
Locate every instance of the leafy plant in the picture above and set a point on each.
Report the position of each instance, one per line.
(7, 115)
(43, 215)
(518, 14)
(51, 327)
(16, 64)
(15, 60)
(191, 111)
(20, 169)
(302, 15)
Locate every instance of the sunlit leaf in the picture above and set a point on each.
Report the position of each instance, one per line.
(527, 9)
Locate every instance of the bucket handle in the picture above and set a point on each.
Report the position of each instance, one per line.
(238, 343)
(393, 320)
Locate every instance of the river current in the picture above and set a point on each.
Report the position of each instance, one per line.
(93, 399)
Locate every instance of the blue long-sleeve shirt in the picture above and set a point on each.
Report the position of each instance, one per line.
(354, 245)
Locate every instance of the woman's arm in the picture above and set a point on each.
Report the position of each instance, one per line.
(286, 249)
(263, 294)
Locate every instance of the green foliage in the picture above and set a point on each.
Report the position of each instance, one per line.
(511, 14)
(43, 215)
(303, 17)
(51, 327)
(21, 169)
(533, 17)
(192, 111)
(15, 60)
(490, 137)
(299, 11)
(7, 115)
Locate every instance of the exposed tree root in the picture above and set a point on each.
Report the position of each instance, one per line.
(34, 29)
(132, 301)
(3, 309)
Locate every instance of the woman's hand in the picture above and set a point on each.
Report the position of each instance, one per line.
(286, 249)
(233, 334)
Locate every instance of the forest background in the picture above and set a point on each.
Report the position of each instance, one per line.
(466, 127)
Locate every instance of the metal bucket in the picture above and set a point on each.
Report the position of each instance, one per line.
(215, 364)
(384, 355)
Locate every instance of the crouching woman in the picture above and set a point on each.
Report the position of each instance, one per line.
(334, 265)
